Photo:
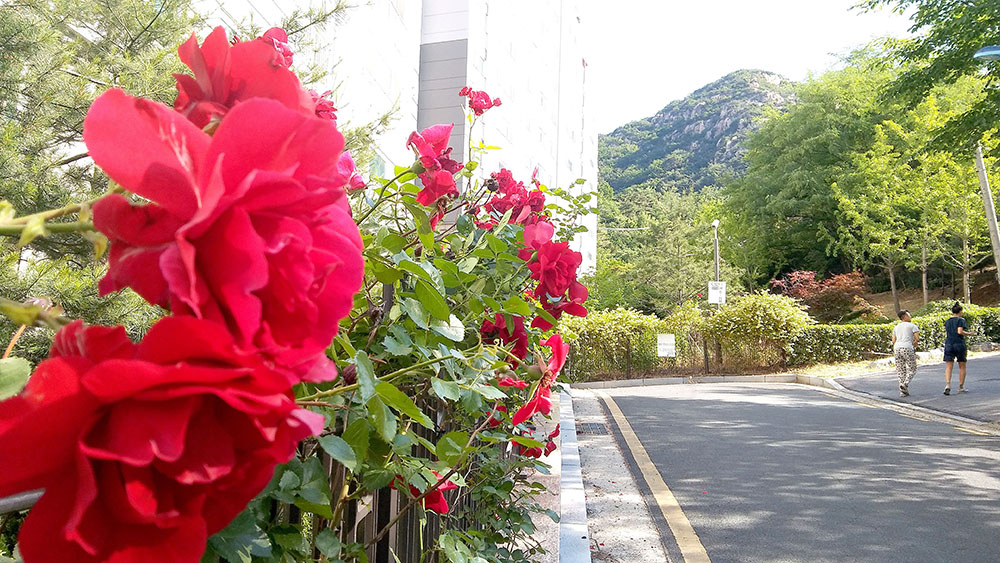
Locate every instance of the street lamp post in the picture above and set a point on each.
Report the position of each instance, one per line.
(715, 228)
(991, 53)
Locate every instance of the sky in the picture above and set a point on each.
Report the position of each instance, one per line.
(647, 53)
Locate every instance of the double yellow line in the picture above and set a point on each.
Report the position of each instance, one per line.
(687, 540)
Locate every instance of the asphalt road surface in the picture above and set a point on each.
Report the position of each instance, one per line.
(982, 402)
(787, 473)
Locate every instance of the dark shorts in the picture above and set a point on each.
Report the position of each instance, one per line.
(953, 352)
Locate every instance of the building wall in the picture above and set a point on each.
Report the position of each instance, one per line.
(371, 59)
(416, 56)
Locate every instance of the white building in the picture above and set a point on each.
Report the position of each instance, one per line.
(415, 55)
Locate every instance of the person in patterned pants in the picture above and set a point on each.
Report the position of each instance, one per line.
(905, 336)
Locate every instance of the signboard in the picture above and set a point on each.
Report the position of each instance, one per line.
(666, 346)
(717, 292)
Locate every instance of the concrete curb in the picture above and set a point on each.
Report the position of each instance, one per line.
(779, 378)
(574, 539)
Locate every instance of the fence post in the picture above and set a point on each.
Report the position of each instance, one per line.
(704, 348)
(628, 358)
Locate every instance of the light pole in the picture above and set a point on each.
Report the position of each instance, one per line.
(715, 228)
(991, 53)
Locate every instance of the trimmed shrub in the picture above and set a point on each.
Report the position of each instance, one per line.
(842, 343)
(622, 342)
(756, 330)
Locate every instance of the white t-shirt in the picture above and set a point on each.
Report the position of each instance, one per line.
(904, 332)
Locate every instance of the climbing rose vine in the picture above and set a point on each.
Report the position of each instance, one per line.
(325, 335)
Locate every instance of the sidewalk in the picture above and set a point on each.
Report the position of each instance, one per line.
(981, 403)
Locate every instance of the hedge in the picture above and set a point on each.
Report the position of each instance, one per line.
(754, 332)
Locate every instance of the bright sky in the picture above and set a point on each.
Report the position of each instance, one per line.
(648, 53)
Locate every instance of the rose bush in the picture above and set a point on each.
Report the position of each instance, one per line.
(240, 212)
(148, 448)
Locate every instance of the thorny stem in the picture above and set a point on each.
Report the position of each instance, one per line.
(16, 230)
(13, 341)
(62, 211)
(381, 195)
(42, 318)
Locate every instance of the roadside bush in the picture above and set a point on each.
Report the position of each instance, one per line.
(835, 299)
(843, 343)
(756, 330)
(622, 342)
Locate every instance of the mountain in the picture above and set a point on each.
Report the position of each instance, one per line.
(695, 140)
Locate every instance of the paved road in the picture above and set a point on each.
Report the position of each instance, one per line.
(982, 402)
(786, 473)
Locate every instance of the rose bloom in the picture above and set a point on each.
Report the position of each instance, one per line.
(526, 207)
(249, 228)
(224, 75)
(554, 266)
(497, 329)
(144, 450)
(542, 399)
(347, 169)
(479, 101)
(435, 501)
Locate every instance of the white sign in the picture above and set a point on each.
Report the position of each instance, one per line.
(717, 292)
(666, 346)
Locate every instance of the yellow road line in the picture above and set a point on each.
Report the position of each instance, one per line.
(687, 540)
(971, 431)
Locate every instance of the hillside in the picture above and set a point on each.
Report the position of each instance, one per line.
(692, 141)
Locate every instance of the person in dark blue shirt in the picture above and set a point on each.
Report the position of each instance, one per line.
(955, 348)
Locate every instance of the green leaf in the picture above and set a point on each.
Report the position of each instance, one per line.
(328, 543)
(447, 390)
(527, 442)
(395, 347)
(417, 312)
(490, 392)
(290, 538)
(356, 435)
(366, 375)
(377, 479)
(339, 450)
(19, 313)
(454, 330)
(241, 540)
(14, 373)
(515, 304)
(382, 419)
(451, 446)
(415, 269)
(34, 228)
(433, 301)
(399, 401)
(385, 274)
(466, 265)
(393, 243)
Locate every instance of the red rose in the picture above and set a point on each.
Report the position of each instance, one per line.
(146, 449)
(347, 169)
(324, 107)
(526, 207)
(511, 382)
(432, 150)
(491, 331)
(434, 501)
(249, 227)
(554, 266)
(479, 101)
(542, 400)
(439, 188)
(496, 417)
(277, 38)
(225, 75)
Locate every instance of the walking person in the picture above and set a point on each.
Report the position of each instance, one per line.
(905, 336)
(955, 348)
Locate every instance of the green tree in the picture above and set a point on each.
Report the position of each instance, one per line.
(946, 35)
(785, 199)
